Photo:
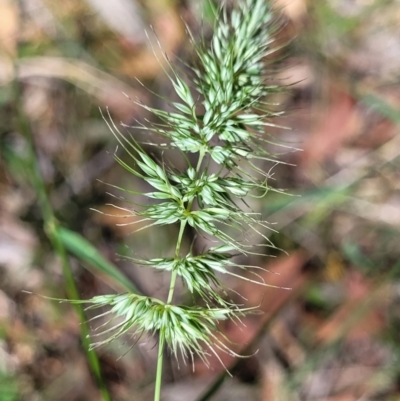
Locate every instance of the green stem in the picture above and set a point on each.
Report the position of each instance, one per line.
(72, 292)
(201, 157)
(174, 275)
(180, 235)
(175, 272)
(51, 230)
(157, 393)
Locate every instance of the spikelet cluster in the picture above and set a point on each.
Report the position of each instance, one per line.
(223, 120)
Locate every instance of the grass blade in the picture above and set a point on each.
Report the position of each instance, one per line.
(81, 248)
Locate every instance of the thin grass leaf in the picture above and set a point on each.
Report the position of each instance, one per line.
(87, 253)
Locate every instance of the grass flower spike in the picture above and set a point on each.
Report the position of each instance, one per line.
(222, 121)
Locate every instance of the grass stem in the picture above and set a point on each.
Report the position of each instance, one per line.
(172, 289)
(51, 230)
(157, 393)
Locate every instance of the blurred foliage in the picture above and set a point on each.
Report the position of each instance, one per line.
(8, 388)
(335, 335)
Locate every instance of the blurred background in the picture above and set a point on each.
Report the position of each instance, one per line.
(334, 336)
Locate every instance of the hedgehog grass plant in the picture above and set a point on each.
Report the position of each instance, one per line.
(225, 125)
